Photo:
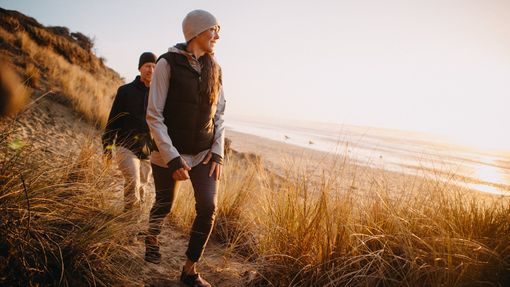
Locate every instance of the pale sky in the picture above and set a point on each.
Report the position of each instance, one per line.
(440, 66)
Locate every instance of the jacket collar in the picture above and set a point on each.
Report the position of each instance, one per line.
(139, 84)
(181, 50)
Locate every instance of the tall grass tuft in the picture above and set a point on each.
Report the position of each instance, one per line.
(58, 226)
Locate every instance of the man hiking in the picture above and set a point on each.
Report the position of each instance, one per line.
(128, 135)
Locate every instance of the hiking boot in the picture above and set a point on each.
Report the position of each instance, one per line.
(194, 280)
(152, 254)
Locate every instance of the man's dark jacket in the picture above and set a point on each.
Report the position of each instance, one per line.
(126, 125)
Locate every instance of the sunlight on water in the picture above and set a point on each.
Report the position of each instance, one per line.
(489, 173)
(487, 188)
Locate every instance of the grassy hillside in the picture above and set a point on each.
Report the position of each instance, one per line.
(58, 62)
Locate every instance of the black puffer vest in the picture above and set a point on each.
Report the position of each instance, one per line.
(188, 115)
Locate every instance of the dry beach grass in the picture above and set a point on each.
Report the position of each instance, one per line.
(351, 226)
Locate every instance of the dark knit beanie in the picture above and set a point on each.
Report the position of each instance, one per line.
(146, 57)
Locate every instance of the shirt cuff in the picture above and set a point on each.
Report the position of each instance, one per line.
(217, 158)
(175, 164)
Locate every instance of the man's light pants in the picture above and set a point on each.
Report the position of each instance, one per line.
(136, 174)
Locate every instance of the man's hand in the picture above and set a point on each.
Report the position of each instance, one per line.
(181, 173)
(215, 167)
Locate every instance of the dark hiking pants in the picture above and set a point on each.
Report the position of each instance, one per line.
(205, 189)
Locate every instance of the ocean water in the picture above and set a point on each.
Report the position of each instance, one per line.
(401, 151)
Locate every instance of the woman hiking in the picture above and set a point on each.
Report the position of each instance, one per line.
(185, 117)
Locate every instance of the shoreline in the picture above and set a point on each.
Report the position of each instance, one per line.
(280, 157)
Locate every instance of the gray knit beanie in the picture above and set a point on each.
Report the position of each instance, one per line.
(196, 22)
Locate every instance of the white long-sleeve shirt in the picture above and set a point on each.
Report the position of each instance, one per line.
(157, 98)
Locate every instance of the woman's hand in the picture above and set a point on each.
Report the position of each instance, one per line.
(215, 167)
(181, 173)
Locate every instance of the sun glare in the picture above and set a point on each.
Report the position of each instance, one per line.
(492, 174)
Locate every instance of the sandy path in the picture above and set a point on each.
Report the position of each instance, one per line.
(218, 266)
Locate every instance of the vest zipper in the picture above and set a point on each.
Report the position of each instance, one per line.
(198, 89)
